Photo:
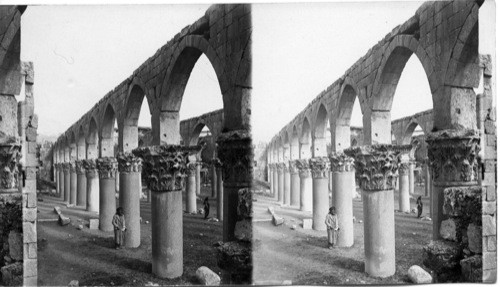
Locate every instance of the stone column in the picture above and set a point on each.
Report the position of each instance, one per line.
(165, 169)
(376, 168)
(107, 167)
(305, 185)
(342, 184)
(294, 184)
(411, 177)
(286, 184)
(198, 179)
(67, 183)
(191, 187)
(275, 181)
(428, 179)
(281, 182)
(60, 175)
(92, 185)
(73, 184)
(81, 187)
(404, 190)
(130, 168)
(235, 151)
(271, 181)
(220, 190)
(213, 181)
(320, 167)
(453, 159)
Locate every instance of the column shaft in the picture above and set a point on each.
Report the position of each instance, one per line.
(281, 183)
(92, 191)
(107, 167)
(275, 183)
(81, 199)
(191, 192)
(320, 168)
(130, 184)
(73, 187)
(61, 183)
(220, 195)
(67, 184)
(404, 190)
(198, 180)
(411, 178)
(295, 189)
(286, 186)
(213, 179)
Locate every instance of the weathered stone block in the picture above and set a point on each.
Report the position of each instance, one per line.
(32, 250)
(31, 200)
(463, 201)
(443, 257)
(489, 225)
(29, 214)
(63, 220)
(471, 268)
(235, 257)
(30, 267)
(448, 230)
(489, 260)
(307, 223)
(57, 210)
(277, 220)
(93, 223)
(243, 230)
(207, 276)
(489, 207)
(12, 275)
(31, 134)
(29, 232)
(418, 275)
(475, 238)
(491, 242)
(491, 194)
(490, 276)
(15, 241)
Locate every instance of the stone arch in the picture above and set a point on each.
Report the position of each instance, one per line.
(185, 57)
(463, 66)
(72, 145)
(305, 139)
(408, 132)
(129, 134)
(397, 54)
(354, 142)
(320, 124)
(92, 139)
(107, 132)
(195, 134)
(341, 135)
(81, 147)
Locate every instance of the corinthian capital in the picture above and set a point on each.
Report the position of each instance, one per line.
(90, 166)
(293, 167)
(235, 151)
(165, 165)
(107, 167)
(303, 167)
(340, 162)
(128, 162)
(376, 166)
(320, 166)
(80, 169)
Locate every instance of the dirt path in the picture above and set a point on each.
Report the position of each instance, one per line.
(66, 253)
(301, 255)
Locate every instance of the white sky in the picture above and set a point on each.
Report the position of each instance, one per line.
(82, 52)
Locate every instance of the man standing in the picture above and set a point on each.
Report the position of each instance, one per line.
(332, 227)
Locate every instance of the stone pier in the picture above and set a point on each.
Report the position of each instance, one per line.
(376, 168)
(67, 183)
(220, 190)
(275, 181)
(92, 185)
(191, 187)
(320, 168)
(281, 182)
(60, 183)
(81, 184)
(165, 169)
(411, 177)
(286, 185)
(343, 174)
(73, 184)
(294, 184)
(235, 151)
(305, 185)
(404, 189)
(198, 179)
(130, 168)
(453, 160)
(213, 178)
(107, 167)
(270, 178)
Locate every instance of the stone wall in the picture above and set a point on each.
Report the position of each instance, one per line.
(11, 240)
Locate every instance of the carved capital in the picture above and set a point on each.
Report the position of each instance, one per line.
(10, 154)
(404, 168)
(281, 166)
(340, 162)
(293, 167)
(107, 167)
(128, 162)
(453, 157)
(80, 169)
(191, 169)
(376, 166)
(90, 166)
(235, 151)
(304, 168)
(164, 166)
(72, 167)
(320, 167)
(66, 167)
(245, 203)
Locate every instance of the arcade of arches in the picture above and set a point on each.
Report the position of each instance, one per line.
(457, 147)
(86, 167)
